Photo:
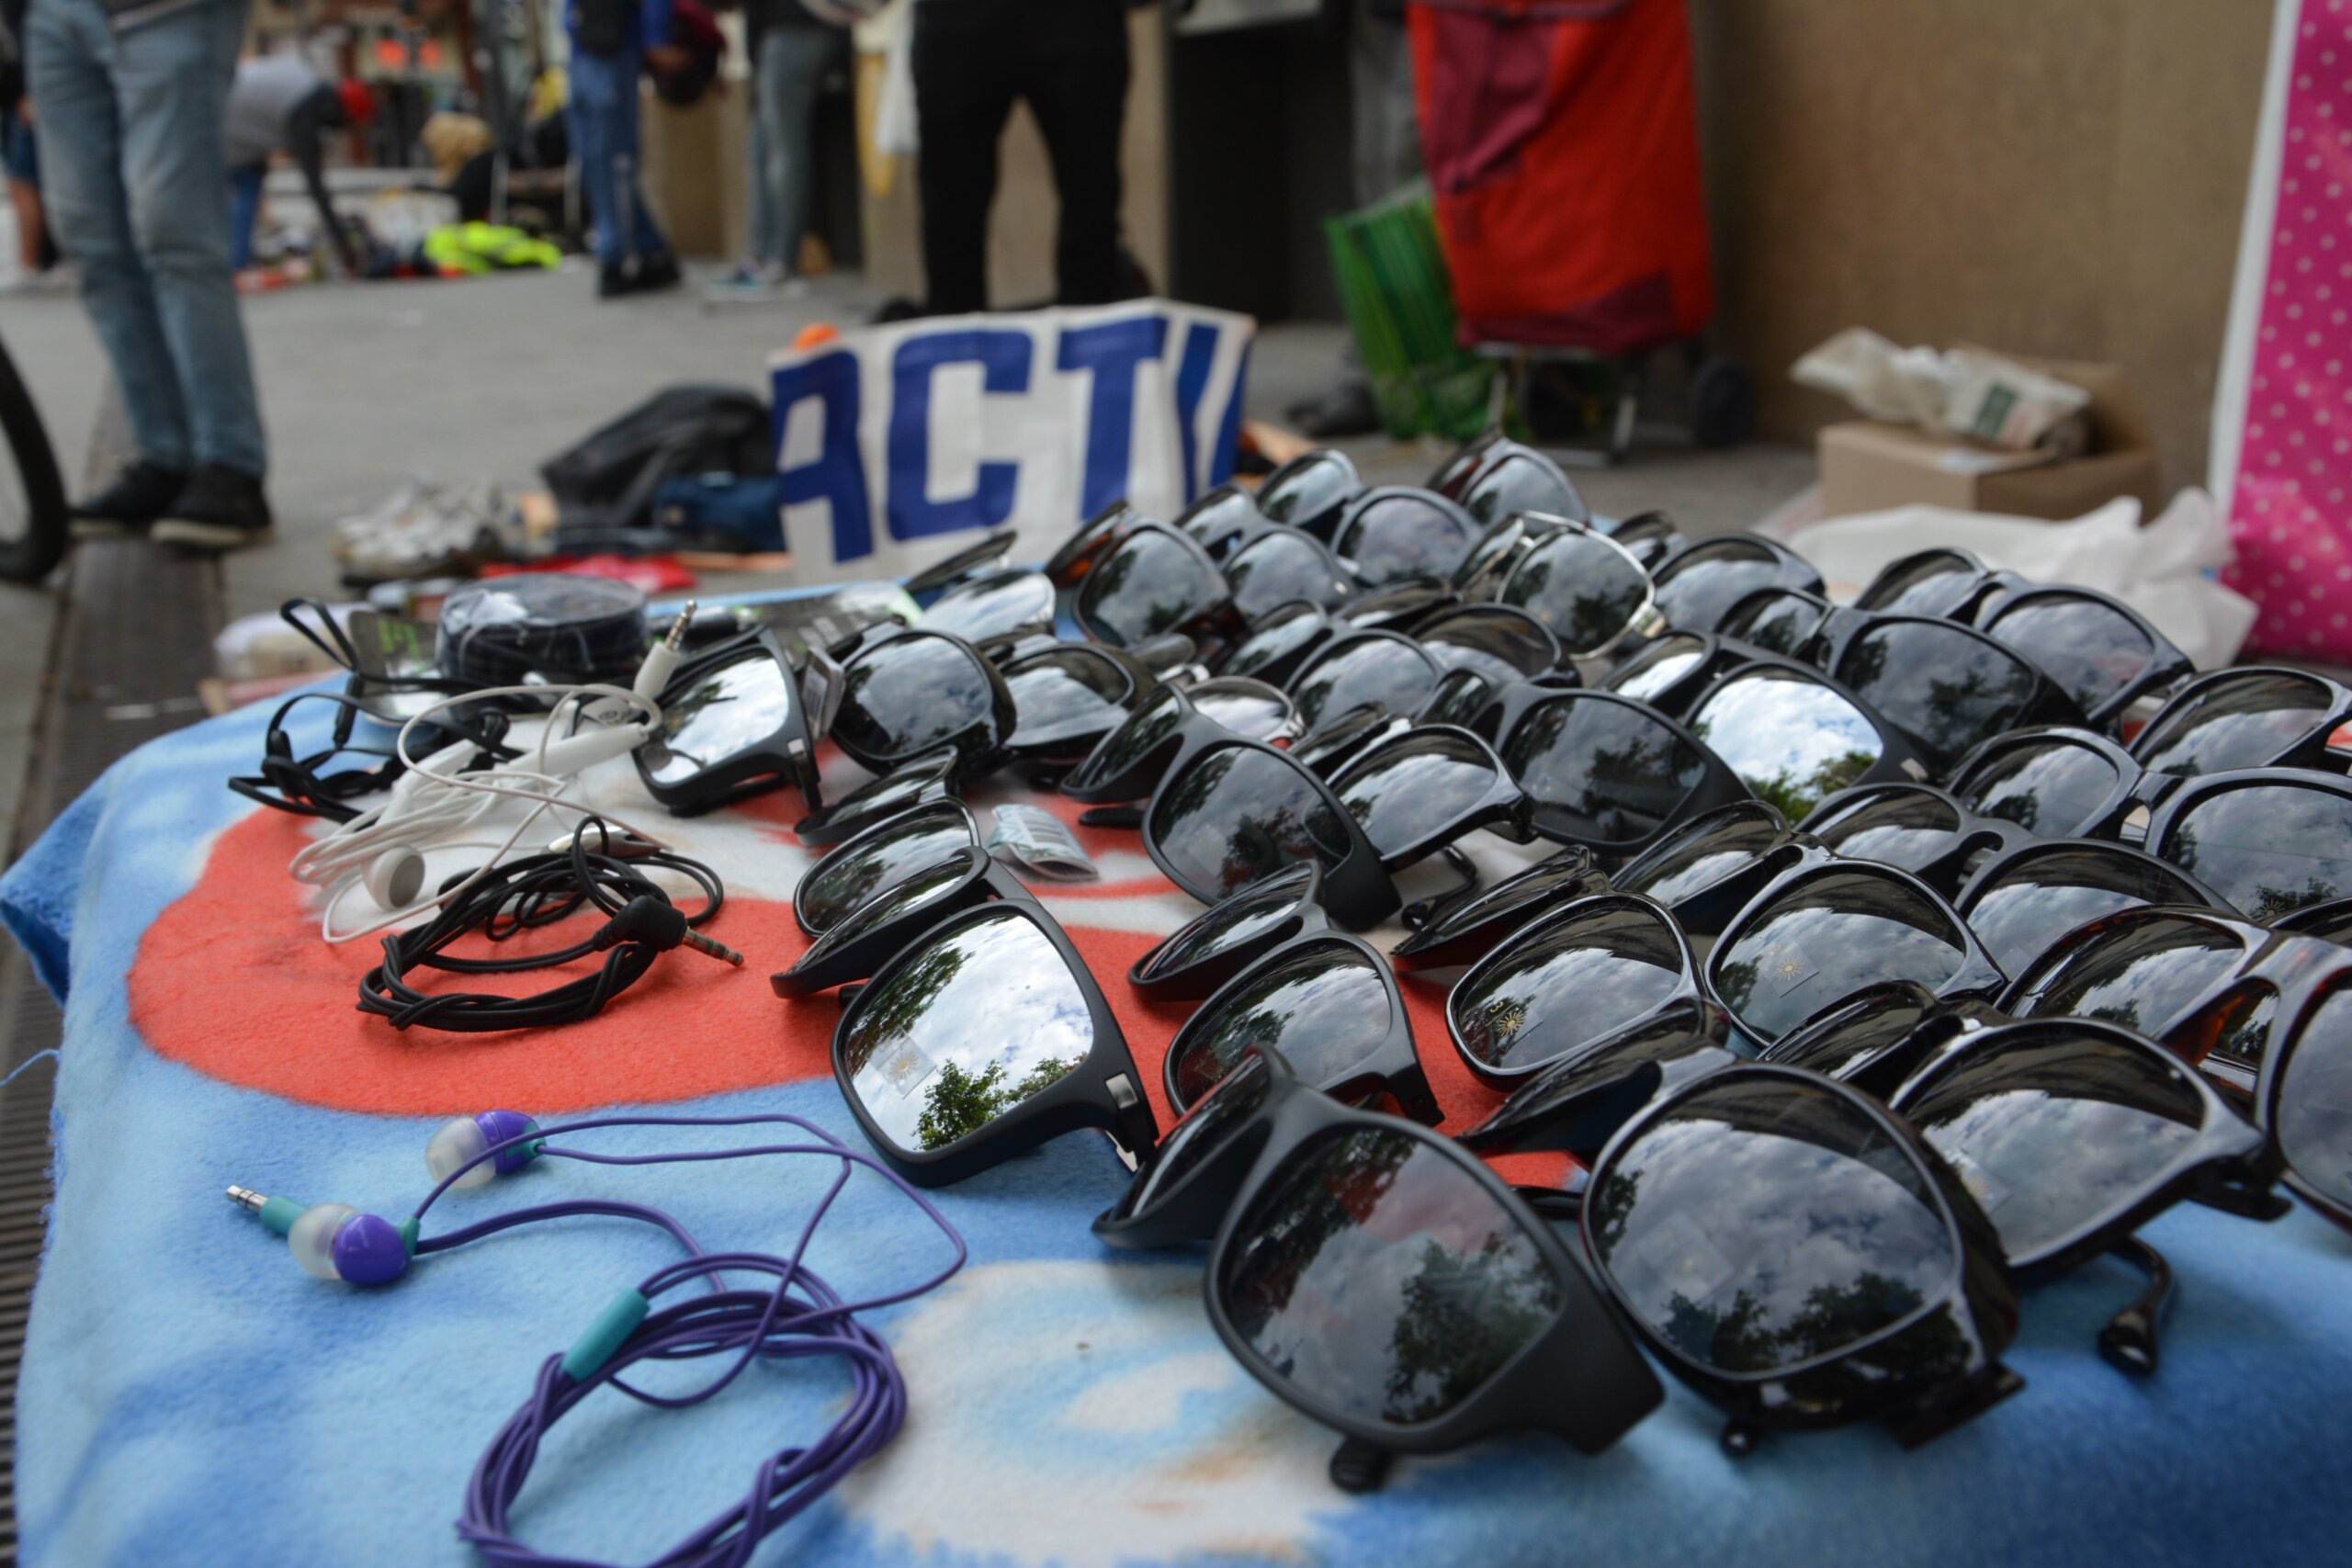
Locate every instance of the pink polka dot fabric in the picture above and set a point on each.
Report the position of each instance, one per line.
(2289, 516)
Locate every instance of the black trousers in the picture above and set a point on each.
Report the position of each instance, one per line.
(972, 58)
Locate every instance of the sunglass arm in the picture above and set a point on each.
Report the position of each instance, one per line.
(1359, 1465)
(2129, 1341)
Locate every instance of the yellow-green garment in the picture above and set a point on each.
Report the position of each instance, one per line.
(477, 248)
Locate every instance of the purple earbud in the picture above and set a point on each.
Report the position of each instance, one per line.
(335, 1241)
(460, 1142)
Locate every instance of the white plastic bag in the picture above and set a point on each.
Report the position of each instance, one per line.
(2159, 570)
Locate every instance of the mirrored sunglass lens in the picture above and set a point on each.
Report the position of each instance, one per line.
(1933, 584)
(1569, 873)
(2144, 976)
(2270, 850)
(855, 873)
(1695, 590)
(1324, 1006)
(1382, 1279)
(1782, 623)
(1585, 589)
(1761, 1224)
(1500, 646)
(2052, 788)
(1544, 996)
(732, 709)
(1460, 696)
(1614, 771)
(2312, 1115)
(1260, 911)
(1948, 691)
(993, 605)
(2089, 649)
(1234, 815)
(1852, 1034)
(1907, 828)
(1705, 853)
(1791, 741)
(1382, 670)
(891, 905)
(1068, 696)
(1518, 481)
(1251, 711)
(2239, 722)
(1399, 537)
(1659, 667)
(1275, 637)
(1096, 534)
(1826, 939)
(1406, 792)
(2056, 1131)
(2040, 897)
(908, 695)
(1133, 742)
(1278, 568)
(1151, 584)
(1209, 1128)
(1217, 517)
(1306, 488)
(975, 1023)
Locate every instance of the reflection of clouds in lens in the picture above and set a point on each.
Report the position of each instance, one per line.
(1235, 816)
(1792, 741)
(1386, 671)
(1325, 1009)
(908, 694)
(2142, 976)
(994, 993)
(1754, 1242)
(2052, 788)
(2314, 1115)
(1658, 673)
(727, 712)
(2241, 722)
(1405, 793)
(1827, 940)
(2269, 849)
(1544, 996)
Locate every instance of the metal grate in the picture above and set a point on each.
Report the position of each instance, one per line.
(134, 634)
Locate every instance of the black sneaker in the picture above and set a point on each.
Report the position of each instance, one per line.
(1346, 408)
(140, 494)
(612, 280)
(657, 272)
(219, 510)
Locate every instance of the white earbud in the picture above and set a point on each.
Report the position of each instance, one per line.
(395, 877)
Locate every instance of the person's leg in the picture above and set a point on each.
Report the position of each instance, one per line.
(768, 90)
(1075, 78)
(807, 53)
(1385, 140)
(595, 83)
(24, 194)
(69, 60)
(646, 240)
(963, 94)
(171, 78)
(245, 212)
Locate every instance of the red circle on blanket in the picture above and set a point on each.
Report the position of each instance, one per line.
(233, 981)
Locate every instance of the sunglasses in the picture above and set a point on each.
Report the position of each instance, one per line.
(1415, 792)
(1703, 579)
(1394, 534)
(1398, 674)
(1230, 811)
(982, 1038)
(1127, 764)
(735, 723)
(1153, 583)
(1379, 1277)
(1584, 971)
(919, 782)
(1310, 492)
(2020, 901)
(2101, 652)
(1817, 934)
(1092, 540)
(1281, 641)
(1495, 475)
(1708, 869)
(1793, 736)
(1585, 586)
(2266, 1017)
(2254, 717)
(1583, 1097)
(963, 565)
(1883, 1036)
(856, 945)
(1461, 927)
(1014, 602)
(1943, 581)
(1222, 940)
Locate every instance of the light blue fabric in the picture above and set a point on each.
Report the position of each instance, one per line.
(189, 1397)
(137, 191)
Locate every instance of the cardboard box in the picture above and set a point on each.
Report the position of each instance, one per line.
(1869, 466)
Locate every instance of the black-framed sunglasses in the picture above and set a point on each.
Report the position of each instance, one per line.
(2099, 650)
(1795, 736)
(1697, 584)
(982, 1039)
(856, 946)
(1580, 973)
(2250, 717)
(1465, 925)
(1127, 764)
(2266, 1017)
(2021, 901)
(1155, 580)
(1883, 1036)
(1393, 534)
(877, 858)
(1947, 687)
(737, 722)
(1230, 811)
(1280, 642)
(1329, 1003)
(1333, 1235)
(1010, 602)
(1799, 1256)
(1266, 564)
(1494, 476)
(1225, 939)
(1942, 579)
(1707, 868)
(1310, 492)
(1582, 1098)
(1395, 672)
(962, 566)
(2270, 840)
(908, 693)
(1415, 792)
(1587, 588)
(1091, 542)
(1068, 696)
(1818, 933)
(916, 782)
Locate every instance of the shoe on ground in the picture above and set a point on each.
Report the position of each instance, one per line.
(612, 280)
(655, 273)
(1348, 408)
(139, 495)
(219, 509)
(747, 284)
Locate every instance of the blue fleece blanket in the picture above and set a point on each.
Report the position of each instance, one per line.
(188, 1395)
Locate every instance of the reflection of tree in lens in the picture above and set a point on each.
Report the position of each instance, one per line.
(1795, 797)
(1465, 1315)
(890, 1010)
(1735, 1339)
(959, 1103)
(1735, 983)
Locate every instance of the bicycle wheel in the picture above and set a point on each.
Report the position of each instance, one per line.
(32, 496)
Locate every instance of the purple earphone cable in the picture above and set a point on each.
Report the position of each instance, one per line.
(798, 1314)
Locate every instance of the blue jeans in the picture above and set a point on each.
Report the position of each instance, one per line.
(603, 138)
(788, 75)
(137, 187)
(245, 212)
